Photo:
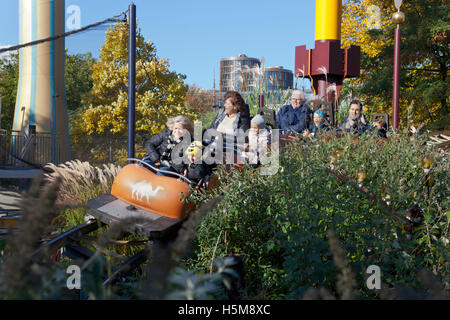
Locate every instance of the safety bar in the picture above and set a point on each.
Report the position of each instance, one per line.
(161, 171)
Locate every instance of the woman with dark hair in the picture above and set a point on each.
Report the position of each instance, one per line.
(234, 115)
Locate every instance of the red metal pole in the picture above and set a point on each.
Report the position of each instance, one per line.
(396, 84)
(131, 80)
(261, 101)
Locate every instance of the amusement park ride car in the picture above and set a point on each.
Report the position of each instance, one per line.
(155, 204)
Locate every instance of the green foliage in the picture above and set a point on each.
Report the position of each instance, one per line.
(424, 58)
(9, 76)
(207, 118)
(273, 99)
(160, 92)
(279, 224)
(185, 285)
(78, 78)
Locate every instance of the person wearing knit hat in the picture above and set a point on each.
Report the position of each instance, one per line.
(320, 112)
(318, 125)
(258, 139)
(259, 121)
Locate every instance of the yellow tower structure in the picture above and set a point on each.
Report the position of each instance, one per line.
(328, 19)
(41, 103)
(327, 65)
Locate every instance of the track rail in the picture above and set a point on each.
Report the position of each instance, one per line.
(65, 238)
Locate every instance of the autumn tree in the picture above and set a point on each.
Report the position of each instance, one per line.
(199, 99)
(159, 92)
(362, 20)
(424, 89)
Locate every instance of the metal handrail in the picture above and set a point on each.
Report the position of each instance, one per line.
(21, 132)
(162, 171)
(33, 149)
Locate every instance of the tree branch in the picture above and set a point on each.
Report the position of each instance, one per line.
(429, 70)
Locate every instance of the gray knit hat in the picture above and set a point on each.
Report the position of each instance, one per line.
(259, 121)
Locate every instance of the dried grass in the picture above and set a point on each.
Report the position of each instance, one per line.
(346, 283)
(80, 181)
(19, 276)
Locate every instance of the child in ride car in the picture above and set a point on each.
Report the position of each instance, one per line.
(196, 170)
(259, 138)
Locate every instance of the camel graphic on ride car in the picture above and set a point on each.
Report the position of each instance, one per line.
(144, 189)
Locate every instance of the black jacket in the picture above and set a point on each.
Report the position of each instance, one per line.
(242, 121)
(196, 172)
(157, 144)
(358, 126)
(382, 133)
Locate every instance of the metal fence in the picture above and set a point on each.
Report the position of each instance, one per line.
(98, 150)
(34, 148)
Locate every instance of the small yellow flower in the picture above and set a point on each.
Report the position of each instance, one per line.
(361, 176)
(333, 157)
(427, 162)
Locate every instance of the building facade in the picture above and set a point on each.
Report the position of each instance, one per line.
(235, 75)
(244, 74)
(278, 78)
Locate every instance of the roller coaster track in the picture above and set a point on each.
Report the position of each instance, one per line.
(440, 139)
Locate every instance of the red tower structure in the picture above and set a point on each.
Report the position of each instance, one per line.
(327, 65)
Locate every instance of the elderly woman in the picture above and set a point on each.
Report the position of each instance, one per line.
(159, 147)
(233, 116)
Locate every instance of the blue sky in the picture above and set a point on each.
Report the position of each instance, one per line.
(195, 34)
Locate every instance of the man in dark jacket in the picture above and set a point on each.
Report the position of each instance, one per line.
(295, 117)
(355, 121)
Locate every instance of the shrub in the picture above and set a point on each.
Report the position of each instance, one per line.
(279, 224)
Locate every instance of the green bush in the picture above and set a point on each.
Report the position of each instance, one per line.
(279, 224)
(302, 232)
